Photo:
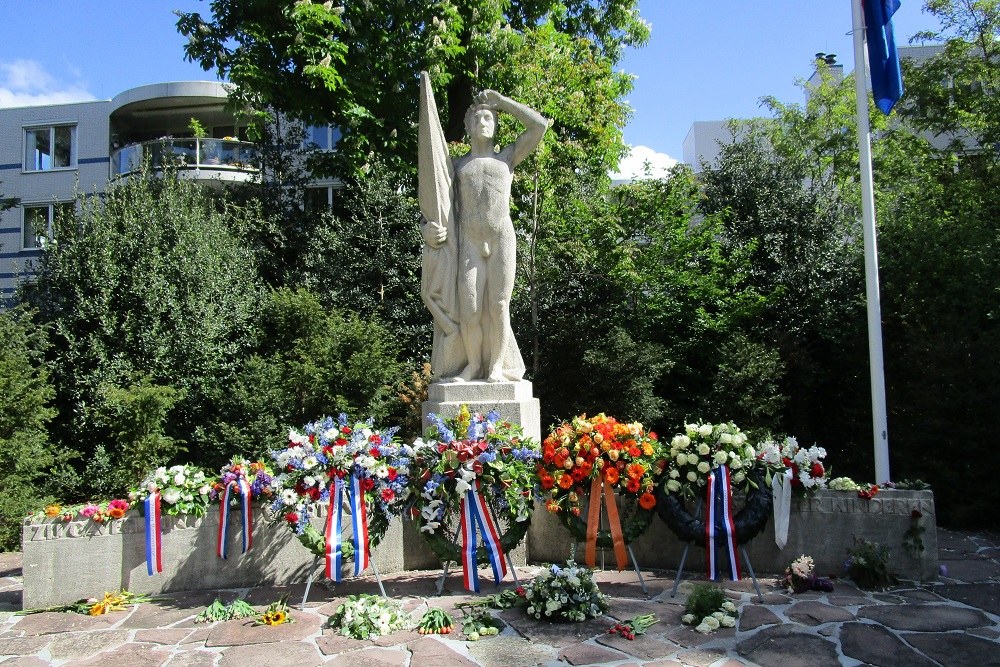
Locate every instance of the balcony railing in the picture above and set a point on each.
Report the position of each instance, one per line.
(210, 154)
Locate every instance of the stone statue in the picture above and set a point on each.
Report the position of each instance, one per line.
(469, 252)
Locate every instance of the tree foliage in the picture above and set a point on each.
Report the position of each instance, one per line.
(27, 455)
(147, 282)
(356, 65)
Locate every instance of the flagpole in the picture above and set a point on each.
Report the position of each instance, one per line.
(876, 370)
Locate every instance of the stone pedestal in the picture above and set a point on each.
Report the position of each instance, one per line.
(513, 400)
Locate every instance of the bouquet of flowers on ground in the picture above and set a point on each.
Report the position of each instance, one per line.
(183, 489)
(471, 452)
(708, 609)
(367, 617)
(624, 456)
(868, 565)
(799, 577)
(258, 476)
(702, 447)
(328, 450)
(806, 464)
(566, 592)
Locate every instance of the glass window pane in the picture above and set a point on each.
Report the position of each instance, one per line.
(62, 154)
(36, 223)
(319, 135)
(37, 151)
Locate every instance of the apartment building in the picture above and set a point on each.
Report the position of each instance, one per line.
(50, 153)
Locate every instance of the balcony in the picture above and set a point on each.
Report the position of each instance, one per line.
(212, 160)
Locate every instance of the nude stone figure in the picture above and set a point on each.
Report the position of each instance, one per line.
(478, 213)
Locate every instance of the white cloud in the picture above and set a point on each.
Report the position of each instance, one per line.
(633, 165)
(27, 83)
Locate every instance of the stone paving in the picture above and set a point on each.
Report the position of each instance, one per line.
(952, 621)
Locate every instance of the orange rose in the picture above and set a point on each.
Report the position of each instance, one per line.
(116, 512)
(647, 501)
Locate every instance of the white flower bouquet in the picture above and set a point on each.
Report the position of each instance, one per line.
(184, 489)
(566, 592)
(368, 617)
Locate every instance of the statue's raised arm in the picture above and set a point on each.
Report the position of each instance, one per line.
(534, 124)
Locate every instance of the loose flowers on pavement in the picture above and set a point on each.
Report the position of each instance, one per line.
(636, 625)
(367, 617)
(708, 609)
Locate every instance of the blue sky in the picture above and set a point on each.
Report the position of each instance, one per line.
(707, 60)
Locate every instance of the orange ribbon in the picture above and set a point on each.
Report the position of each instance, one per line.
(614, 524)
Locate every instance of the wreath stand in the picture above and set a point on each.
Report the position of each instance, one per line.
(746, 559)
(318, 560)
(439, 585)
(631, 555)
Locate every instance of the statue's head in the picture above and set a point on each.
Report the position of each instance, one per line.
(481, 120)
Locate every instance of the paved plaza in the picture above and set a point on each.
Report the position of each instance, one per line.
(952, 621)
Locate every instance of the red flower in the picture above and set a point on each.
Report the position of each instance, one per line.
(817, 470)
(392, 474)
(292, 517)
(611, 475)
(647, 501)
(367, 484)
(388, 495)
(632, 486)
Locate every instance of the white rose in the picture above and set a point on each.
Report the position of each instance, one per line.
(179, 479)
(680, 441)
(204, 489)
(687, 619)
(703, 629)
(704, 449)
(729, 606)
(673, 486)
(692, 476)
(720, 458)
(711, 622)
(682, 459)
(726, 439)
(703, 467)
(739, 438)
(739, 477)
(692, 458)
(727, 622)
(674, 473)
(717, 615)
(691, 429)
(705, 430)
(171, 496)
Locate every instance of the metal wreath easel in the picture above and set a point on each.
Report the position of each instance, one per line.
(631, 554)
(743, 550)
(318, 560)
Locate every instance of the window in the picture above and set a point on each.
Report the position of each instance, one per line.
(52, 147)
(36, 226)
(323, 137)
(320, 198)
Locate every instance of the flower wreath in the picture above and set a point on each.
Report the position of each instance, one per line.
(184, 489)
(328, 450)
(692, 456)
(583, 455)
(460, 454)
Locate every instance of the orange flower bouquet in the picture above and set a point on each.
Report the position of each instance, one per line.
(590, 457)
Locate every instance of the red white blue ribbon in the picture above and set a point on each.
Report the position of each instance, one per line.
(246, 514)
(476, 515)
(720, 524)
(334, 550)
(359, 525)
(154, 546)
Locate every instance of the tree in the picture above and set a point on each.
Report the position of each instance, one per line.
(309, 361)
(356, 66)
(27, 456)
(147, 281)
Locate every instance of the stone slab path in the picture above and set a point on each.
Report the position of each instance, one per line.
(951, 622)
